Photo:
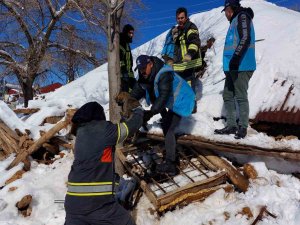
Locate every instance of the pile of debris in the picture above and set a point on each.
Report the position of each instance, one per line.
(202, 171)
(201, 174)
(42, 150)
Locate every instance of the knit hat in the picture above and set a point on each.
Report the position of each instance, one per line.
(235, 3)
(88, 112)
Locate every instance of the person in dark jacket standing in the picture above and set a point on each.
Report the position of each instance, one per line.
(186, 57)
(90, 196)
(162, 87)
(126, 62)
(238, 65)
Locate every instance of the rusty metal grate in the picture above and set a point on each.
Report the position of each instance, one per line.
(162, 190)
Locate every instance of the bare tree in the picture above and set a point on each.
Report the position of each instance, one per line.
(30, 30)
(37, 34)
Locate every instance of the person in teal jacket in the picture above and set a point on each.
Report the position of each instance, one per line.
(164, 89)
(238, 65)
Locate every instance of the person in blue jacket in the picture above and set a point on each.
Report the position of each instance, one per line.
(164, 89)
(92, 184)
(238, 65)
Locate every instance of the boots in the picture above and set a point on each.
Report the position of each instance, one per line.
(226, 130)
(167, 167)
(241, 133)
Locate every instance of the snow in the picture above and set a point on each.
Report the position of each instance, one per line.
(277, 60)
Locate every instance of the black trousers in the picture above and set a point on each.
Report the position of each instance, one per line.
(170, 121)
(112, 214)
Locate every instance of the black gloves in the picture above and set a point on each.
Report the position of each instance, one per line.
(147, 115)
(234, 63)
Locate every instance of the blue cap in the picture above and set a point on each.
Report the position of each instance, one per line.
(231, 3)
(142, 61)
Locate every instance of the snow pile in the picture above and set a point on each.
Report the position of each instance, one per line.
(277, 58)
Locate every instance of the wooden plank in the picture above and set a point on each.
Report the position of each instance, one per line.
(234, 175)
(9, 144)
(192, 187)
(26, 110)
(149, 193)
(187, 198)
(200, 142)
(9, 131)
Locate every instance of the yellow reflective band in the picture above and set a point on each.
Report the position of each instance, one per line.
(122, 49)
(183, 48)
(189, 82)
(187, 65)
(91, 183)
(192, 31)
(118, 133)
(127, 131)
(90, 194)
(193, 47)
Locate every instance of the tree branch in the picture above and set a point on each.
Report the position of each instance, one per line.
(21, 22)
(86, 55)
(51, 8)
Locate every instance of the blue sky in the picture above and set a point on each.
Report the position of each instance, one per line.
(160, 15)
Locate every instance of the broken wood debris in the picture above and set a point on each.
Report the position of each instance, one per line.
(26, 110)
(24, 205)
(43, 139)
(194, 183)
(260, 216)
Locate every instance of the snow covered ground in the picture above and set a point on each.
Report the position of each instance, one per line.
(277, 58)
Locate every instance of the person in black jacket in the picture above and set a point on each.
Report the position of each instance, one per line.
(148, 67)
(126, 62)
(92, 181)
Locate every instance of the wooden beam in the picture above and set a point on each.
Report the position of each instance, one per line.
(26, 110)
(190, 140)
(9, 131)
(192, 187)
(187, 198)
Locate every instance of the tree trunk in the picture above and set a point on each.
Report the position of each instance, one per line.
(27, 91)
(114, 74)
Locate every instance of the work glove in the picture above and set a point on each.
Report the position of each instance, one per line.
(187, 58)
(175, 33)
(147, 116)
(128, 103)
(234, 63)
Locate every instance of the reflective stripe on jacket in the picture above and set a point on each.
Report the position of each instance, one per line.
(188, 42)
(126, 59)
(232, 40)
(182, 100)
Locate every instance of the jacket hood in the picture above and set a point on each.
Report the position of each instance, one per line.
(124, 38)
